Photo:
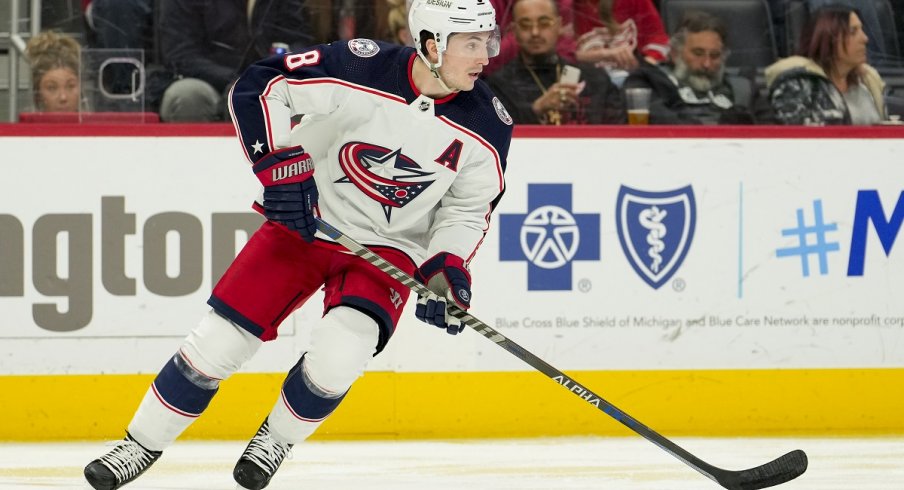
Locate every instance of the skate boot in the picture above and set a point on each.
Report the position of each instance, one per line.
(121, 465)
(260, 460)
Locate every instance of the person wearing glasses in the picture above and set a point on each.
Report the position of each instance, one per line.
(540, 86)
(693, 87)
(508, 47)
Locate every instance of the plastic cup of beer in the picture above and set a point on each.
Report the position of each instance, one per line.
(638, 103)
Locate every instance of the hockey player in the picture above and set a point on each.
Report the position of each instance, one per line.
(404, 150)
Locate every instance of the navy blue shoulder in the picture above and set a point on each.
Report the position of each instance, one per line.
(480, 111)
(376, 64)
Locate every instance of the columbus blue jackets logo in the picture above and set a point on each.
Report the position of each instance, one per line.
(501, 112)
(364, 48)
(386, 176)
(655, 230)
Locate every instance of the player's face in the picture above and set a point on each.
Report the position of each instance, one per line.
(852, 47)
(58, 91)
(536, 26)
(465, 56)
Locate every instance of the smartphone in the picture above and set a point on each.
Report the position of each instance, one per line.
(570, 74)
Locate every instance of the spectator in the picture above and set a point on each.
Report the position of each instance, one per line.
(878, 54)
(208, 44)
(829, 82)
(616, 33)
(693, 88)
(530, 86)
(352, 19)
(397, 21)
(54, 60)
(508, 49)
(878, 50)
(121, 25)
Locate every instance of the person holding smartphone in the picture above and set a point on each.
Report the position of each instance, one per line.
(539, 87)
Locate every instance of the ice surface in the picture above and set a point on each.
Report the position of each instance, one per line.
(551, 463)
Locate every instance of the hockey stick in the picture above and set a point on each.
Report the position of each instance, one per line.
(776, 472)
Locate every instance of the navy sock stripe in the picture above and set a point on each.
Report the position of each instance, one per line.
(303, 402)
(179, 393)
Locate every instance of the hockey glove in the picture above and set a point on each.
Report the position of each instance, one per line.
(450, 282)
(290, 194)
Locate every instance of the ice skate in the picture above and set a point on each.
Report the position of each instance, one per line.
(121, 465)
(260, 460)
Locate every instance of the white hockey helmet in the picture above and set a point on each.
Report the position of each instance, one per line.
(442, 18)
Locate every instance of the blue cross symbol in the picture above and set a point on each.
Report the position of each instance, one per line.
(549, 237)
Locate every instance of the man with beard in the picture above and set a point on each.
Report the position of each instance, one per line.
(532, 87)
(693, 87)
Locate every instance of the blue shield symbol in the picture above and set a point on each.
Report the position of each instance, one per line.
(655, 230)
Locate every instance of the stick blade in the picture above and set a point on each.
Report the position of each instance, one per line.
(776, 472)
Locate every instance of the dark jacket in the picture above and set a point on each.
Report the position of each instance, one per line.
(212, 40)
(599, 103)
(731, 102)
(801, 93)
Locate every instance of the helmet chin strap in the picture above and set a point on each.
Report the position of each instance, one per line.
(435, 71)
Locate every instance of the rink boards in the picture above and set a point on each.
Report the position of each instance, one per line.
(732, 282)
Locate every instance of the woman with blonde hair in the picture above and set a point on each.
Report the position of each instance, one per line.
(397, 20)
(54, 60)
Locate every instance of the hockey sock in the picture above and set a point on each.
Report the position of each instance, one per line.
(342, 343)
(302, 406)
(176, 398)
(212, 352)
(183, 389)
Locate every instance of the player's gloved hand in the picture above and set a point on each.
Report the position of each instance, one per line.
(290, 194)
(449, 281)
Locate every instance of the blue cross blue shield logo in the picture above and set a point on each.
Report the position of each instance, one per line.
(655, 230)
(549, 237)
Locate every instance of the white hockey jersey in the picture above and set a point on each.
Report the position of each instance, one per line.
(393, 167)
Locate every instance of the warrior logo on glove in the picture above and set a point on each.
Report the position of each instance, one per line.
(284, 164)
(294, 169)
(290, 193)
